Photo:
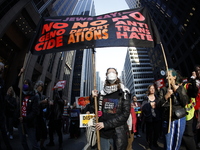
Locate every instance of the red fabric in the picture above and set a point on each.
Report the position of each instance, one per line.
(197, 106)
(24, 105)
(134, 119)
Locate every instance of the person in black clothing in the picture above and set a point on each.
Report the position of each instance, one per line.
(55, 118)
(179, 98)
(152, 117)
(2, 111)
(41, 128)
(27, 113)
(114, 110)
(11, 105)
(74, 128)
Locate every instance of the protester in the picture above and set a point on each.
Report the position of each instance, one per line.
(178, 96)
(188, 136)
(41, 128)
(28, 113)
(11, 105)
(114, 110)
(55, 118)
(2, 110)
(196, 78)
(137, 107)
(89, 109)
(152, 117)
(132, 121)
(74, 128)
(65, 118)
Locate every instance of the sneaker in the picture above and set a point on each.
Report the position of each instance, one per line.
(11, 137)
(138, 135)
(50, 144)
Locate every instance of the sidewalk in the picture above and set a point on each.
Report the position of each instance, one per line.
(78, 144)
(68, 144)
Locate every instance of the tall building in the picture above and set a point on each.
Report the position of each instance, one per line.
(178, 24)
(137, 72)
(18, 21)
(82, 81)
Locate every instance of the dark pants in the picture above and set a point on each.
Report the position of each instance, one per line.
(65, 124)
(4, 133)
(55, 126)
(152, 132)
(195, 130)
(9, 124)
(188, 136)
(31, 132)
(74, 129)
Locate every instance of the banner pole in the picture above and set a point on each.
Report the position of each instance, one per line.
(21, 85)
(170, 100)
(95, 99)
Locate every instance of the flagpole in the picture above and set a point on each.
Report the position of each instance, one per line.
(170, 100)
(95, 99)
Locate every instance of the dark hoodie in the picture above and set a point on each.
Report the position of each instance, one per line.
(32, 104)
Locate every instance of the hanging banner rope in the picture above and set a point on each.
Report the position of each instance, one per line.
(127, 28)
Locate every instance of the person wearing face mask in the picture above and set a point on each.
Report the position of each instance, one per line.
(113, 110)
(2, 110)
(27, 113)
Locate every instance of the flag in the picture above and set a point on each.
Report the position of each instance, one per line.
(127, 28)
(60, 84)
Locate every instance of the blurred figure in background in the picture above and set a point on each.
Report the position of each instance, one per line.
(27, 113)
(2, 110)
(74, 128)
(65, 118)
(137, 107)
(55, 118)
(11, 105)
(132, 121)
(152, 117)
(41, 128)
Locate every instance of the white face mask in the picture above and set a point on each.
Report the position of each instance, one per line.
(111, 77)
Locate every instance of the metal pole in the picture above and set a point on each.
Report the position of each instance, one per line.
(95, 99)
(170, 100)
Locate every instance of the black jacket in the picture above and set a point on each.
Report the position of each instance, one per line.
(56, 110)
(179, 100)
(32, 108)
(2, 100)
(115, 125)
(11, 105)
(147, 111)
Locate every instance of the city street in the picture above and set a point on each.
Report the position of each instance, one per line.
(78, 144)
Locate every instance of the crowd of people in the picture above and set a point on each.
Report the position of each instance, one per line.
(171, 113)
(36, 117)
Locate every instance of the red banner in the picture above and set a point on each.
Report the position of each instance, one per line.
(132, 27)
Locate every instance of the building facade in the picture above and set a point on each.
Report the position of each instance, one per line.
(178, 25)
(83, 73)
(137, 73)
(18, 21)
